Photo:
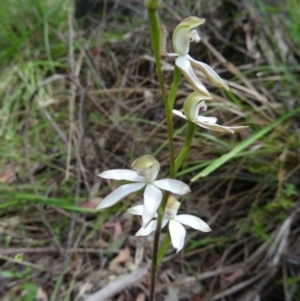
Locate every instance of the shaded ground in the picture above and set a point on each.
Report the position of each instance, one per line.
(100, 108)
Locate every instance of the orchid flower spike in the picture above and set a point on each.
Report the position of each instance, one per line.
(194, 105)
(144, 173)
(183, 35)
(177, 231)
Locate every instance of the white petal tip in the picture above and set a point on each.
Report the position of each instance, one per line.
(136, 210)
(187, 190)
(99, 207)
(203, 227)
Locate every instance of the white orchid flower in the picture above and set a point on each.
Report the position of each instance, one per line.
(144, 173)
(194, 105)
(177, 231)
(183, 35)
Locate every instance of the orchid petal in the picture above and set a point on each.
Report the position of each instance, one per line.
(172, 185)
(153, 172)
(181, 41)
(164, 222)
(181, 35)
(172, 54)
(152, 199)
(215, 127)
(118, 194)
(206, 119)
(192, 221)
(149, 229)
(186, 69)
(221, 128)
(210, 73)
(136, 210)
(192, 104)
(200, 119)
(178, 113)
(122, 174)
(177, 233)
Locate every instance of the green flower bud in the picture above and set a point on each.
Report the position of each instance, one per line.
(152, 4)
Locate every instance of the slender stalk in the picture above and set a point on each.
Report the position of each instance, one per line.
(168, 109)
(186, 147)
(168, 103)
(155, 38)
(158, 255)
(154, 264)
(174, 87)
(155, 41)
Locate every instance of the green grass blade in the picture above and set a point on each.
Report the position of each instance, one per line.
(164, 248)
(240, 147)
(67, 204)
(59, 280)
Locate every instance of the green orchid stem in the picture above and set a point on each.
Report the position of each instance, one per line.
(187, 145)
(174, 88)
(155, 38)
(154, 264)
(168, 101)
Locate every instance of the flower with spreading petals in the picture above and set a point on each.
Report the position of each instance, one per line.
(194, 105)
(144, 173)
(177, 231)
(183, 35)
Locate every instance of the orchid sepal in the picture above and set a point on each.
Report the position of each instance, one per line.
(210, 73)
(177, 231)
(186, 69)
(195, 104)
(182, 36)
